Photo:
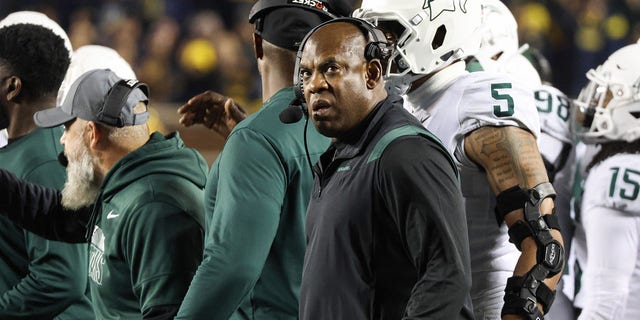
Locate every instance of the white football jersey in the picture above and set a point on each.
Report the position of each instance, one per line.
(452, 104)
(555, 125)
(3, 138)
(615, 184)
(575, 265)
(554, 109)
(611, 218)
(556, 146)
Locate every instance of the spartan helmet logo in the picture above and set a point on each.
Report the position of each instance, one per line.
(436, 7)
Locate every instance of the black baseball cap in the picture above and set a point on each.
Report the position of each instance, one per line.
(101, 96)
(284, 23)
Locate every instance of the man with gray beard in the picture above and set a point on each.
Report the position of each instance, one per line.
(137, 198)
(82, 185)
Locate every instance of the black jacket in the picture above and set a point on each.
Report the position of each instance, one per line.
(386, 229)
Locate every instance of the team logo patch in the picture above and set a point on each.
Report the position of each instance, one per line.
(112, 215)
(96, 257)
(437, 7)
(131, 82)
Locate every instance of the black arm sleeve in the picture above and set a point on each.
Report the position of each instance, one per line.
(39, 210)
(422, 192)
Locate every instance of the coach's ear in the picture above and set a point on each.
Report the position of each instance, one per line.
(94, 136)
(373, 73)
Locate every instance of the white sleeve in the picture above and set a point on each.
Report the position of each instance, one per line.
(611, 220)
(3, 138)
(612, 238)
(554, 111)
(550, 147)
(496, 100)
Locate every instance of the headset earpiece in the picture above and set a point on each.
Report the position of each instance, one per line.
(117, 99)
(372, 51)
(377, 47)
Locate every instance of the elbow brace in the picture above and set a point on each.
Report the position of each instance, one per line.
(522, 293)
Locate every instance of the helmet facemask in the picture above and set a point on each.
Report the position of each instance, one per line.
(607, 109)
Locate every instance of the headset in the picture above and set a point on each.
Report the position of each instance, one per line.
(115, 101)
(376, 48)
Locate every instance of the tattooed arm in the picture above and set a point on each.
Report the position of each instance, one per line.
(510, 157)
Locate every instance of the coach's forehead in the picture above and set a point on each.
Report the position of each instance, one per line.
(335, 39)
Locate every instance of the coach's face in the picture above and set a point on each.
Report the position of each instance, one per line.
(335, 78)
(82, 185)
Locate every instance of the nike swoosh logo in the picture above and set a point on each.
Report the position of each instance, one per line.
(112, 215)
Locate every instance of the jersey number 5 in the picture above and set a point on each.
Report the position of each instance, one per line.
(498, 109)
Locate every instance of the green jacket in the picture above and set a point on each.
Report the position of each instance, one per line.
(149, 233)
(39, 278)
(256, 201)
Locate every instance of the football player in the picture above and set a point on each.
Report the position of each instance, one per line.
(500, 52)
(607, 114)
(489, 123)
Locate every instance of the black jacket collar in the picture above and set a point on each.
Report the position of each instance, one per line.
(354, 141)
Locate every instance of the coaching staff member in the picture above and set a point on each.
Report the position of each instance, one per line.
(386, 230)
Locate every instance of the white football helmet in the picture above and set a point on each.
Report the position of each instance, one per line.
(428, 34)
(516, 65)
(40, 19)
(498, 33)
(92, 57)
(608, 107)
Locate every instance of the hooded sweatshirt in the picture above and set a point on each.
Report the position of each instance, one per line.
(146, 227)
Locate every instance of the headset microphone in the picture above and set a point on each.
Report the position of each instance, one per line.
(294, 112)
(63, 159)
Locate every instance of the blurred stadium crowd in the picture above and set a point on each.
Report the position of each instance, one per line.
(183, 47)
(180, 48)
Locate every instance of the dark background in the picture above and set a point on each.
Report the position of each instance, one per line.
(184, 47)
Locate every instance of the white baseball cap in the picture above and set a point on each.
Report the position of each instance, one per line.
(91, 57)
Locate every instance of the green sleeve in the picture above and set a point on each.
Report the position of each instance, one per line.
(163, 247)
(57, 271)
(250, 189)
(50, 174)
(57, 277)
